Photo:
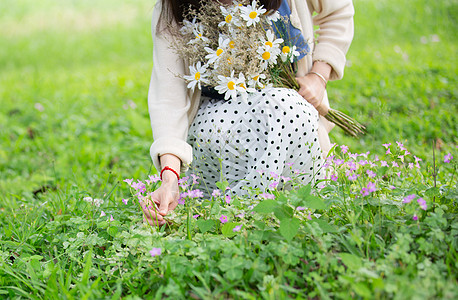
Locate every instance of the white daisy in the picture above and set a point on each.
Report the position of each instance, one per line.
(230, 17)
(197, 76)
(229, 86)
(267, 56)
(272, 41)
(251, 13)
(188, 27)
(273, 17)
(243, 89)
(288, 53)
(214, 55)
(255, 81)
(199, 37)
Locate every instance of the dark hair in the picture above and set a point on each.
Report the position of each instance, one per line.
(176, 9)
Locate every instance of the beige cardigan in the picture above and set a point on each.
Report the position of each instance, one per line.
(172, 107)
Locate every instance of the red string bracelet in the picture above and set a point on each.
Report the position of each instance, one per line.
(170, 169)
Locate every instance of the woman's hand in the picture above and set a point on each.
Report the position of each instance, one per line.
(165, 198)
(312, 86)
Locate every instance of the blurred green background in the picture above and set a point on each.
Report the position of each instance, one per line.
(74, 77)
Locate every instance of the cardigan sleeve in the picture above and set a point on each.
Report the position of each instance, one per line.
(335, 33)
(168, 103)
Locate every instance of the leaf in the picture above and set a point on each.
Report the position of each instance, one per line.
(227, 229)
(112, 230)
(353, 262)
(288, 228)
(222, 185)
(205, 225)
(266, 206)
(325, 226)
(432, 192)
(314, 202)
(283, 212)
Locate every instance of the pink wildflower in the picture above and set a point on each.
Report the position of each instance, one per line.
(129, 181)
(386, 145)
(273, 185)
(309, 216)
(409, 198)
(289, 164)
(285, 179)
(103, 214)
(223, 219)
(334, 177)
(376, 158)
(154, 178)
(155, 252)
(125, 201)
(353, 177)
(237, 228)
(371, 173)
(299, 208)
(344, 149)
(352, 165)
(267, 196)
(394, 164)
(195, 194)
(422, 203)
(383, 163)
(111, 218)
(228, 199)
(363, 162)
(274, 175)
(388, 151)
(339, 161)
(196, 216)
(417, 159)
(448, 158)
(415, 217)
(216, 193)
(411, 166)
(241, 215)
(392, 187)
(194, 179)
(353, 155)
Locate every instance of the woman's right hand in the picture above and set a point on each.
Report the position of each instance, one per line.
(165, 198)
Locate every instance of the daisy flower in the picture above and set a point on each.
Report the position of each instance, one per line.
(272, 42)
(229, 16)
(273, 17)
(229, 86)
(214, 55)
(251, 13)
(288, 52)
(188, 27)
(197, 76)
(199, 37)
(255, 81)
(267, 56)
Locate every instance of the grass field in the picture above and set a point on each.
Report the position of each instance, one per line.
(74, 123)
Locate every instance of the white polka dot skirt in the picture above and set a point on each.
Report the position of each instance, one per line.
(274, 132)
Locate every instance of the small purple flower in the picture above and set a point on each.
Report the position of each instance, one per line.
(353, 155)
(409, 198)
(216, 193)
(300, 208)
(273, 185)
(399, 174)
(411, 166)
(371, 173)
(365, 192)
(196, 216)
(237, 228)
(406, 153)
(363, 162)
(274, 175)
(344, 149)
(103, 214)
(241, 215)
(386, 145)
(394, 164)
(388, 151)
(267, 196)
(285, 179)
(334, 177)
(155, 252)
(401, 146)
(223, 219)
(139, 186)
(195, 193)
(183, 180)
(422, 203)
(111, 218)
(352, 177)
(339, 161)
(383, 163)
(309, 216)
(228, 199)
(371, 187)
(417, 159)
(352, 165)
(289, 164)
(194, 179)
(415, 217)
(392, 187)
(448, 158)
(154, 178)
(129, 181)
(376, 158)
(401, 157)
(125, 201)
(261, 172)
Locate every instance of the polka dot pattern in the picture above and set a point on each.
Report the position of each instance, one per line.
(236, 140)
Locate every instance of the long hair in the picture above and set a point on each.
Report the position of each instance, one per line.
(174, 10)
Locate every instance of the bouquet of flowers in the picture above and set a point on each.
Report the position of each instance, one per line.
(242, 48)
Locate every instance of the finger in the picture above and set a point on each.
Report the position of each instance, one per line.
(164, 206)
(173, 205)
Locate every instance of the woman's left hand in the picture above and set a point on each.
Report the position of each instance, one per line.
(311, 88)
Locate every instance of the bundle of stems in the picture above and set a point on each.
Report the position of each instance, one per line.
(284, 76)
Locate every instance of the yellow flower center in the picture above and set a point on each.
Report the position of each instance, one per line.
(256, 78)
(199, 36)
(197, 76)
(242, 85)
(269, 43)
(229, 60)
(253, 15)
(228, 18)
(232, 44)
(219, 52)
(285, 49)
(266, 55)
(231, 85)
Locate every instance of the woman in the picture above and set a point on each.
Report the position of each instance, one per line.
(176, 111)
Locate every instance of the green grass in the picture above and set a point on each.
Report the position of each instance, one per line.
(74, 77)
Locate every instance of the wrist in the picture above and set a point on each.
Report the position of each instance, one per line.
(168, 174)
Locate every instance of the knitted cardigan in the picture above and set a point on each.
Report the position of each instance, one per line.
(172, 107)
